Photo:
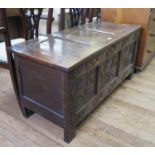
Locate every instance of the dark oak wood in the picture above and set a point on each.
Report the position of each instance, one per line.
(65, 76)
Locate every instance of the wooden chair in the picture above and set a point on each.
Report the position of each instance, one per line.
(4, 30)
(79, 16)
(31, 31)
(10, 60)
(30, 18)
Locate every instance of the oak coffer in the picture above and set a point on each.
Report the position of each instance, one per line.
(65, 76)
(142, 16)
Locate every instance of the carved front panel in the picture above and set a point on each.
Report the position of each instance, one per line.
(108, 71)
(100, 73)
(126, 56)
(93, 80)
(84, 88)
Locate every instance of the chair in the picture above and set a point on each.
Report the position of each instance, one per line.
(31, 23)
(78, 16)
(3, 30)
(30, 18)
(10, 62)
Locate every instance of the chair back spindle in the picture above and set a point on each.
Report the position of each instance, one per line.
(31, 18)
(49, 21)
(78, 16)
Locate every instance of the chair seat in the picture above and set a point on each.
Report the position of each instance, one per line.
(3, 55)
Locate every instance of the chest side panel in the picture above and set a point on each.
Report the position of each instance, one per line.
(40, 84)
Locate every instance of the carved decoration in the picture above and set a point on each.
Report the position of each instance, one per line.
(104, 68)
(85, 87)
(126, 56)
(108, 71)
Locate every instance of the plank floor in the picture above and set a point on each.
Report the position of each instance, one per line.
(126, 118)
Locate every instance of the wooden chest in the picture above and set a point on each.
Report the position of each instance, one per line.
(144, 17)
(67, 75)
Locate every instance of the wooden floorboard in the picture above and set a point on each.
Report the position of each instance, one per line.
(126, 118)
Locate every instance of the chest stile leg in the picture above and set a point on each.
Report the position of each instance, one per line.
(69, 114)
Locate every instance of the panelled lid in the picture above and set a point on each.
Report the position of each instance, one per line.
(71, 47)
(97, 32)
